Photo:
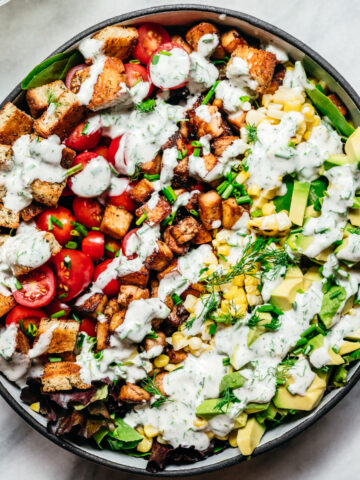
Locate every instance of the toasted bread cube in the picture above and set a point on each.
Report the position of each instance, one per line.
(129, 293)
(203, 236)
(68, 157)
(261, 64)
(195, 33)
(160, 258)
(231, 212)
(92, 305)
(21, 343)
(28, 213)
(117, 41)
(220, 144)
(180, 41)
(39, 98)
(13, 124)
(237, 120)
(139, 278)
(7, 302)
(173, 245)
(117, 319)
(116, 221)
(8, 218)
(185, 230)
(213, 127)
(5, 158)
(232, 39)
(131, 393)
(155, 215)
(210, 209)
(60, 120)
(60, 376)
(142, 191)
(63, 337)
(338, 103)
(210, 161)
(46, 192)
(152, 167)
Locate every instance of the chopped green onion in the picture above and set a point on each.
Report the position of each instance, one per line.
(210, 93)
(73, 170)
(222, 187)
(169, 194)
(56, 221)
(58, 314)
(141, 219)
(84, 130)
(164, 52)
(63, 295)
(297, 230)
(18, 285)
(196, 143)
(291, 145)
(212, 329)
(256, 213)
(217, 62)
(222, 257)
(76, 318)
(226, 361)
(196, 152)
(243, 199)
(50, 224)
(114, 171)
(109, 249)
(71, 245)
(135, 60)
(283, 155)
(169, 220)
(54, 359)
(245, 98)
(181, 155)
(80, 228)
(155, 59)
(152, 335)
(227, 192)
(176, 299)
(152, 178)
(270, 308)
(95, 228)
(117, 253)
(194, 212)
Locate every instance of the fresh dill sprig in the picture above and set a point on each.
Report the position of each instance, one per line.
(210, 304)
(251, 133)
(146, 106)
(226, 400)
(254, 321)
(149, 385)
(51, 99)
(136, 173)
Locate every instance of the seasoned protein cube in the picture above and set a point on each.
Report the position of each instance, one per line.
(21, 343)
(232, 39)
(219, 145)
(116, 221)
(155, 214)
(8, 218)
(142, 191)
(131, 393)
(40, 98)
(185, 230)
(64, 333)
(152, 167)
(338, 103)
(139, 278)
(180, 41)
(237, 120)
(129, 293)
(13, 124)
(208, 121)
(46, 192)
(117, 41)
(203, 236)
(160, 258)
(231, 212)
(31, 211)
(117, 319)
(195, 33)
(61, 116)
(62, 376)
(210, 209)
(6, 304)
(92, 305)
(102, 333)
(173, 245)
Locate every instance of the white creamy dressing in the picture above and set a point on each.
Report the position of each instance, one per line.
(203, 73)
(169, 162)
(93, 180)
(351, 251)
(296, 78)
(280, 54)
(31, 160)
(13, 365)
(92, 50)
(302, 376)
(238, 72)
(43, 342)
(168, 69)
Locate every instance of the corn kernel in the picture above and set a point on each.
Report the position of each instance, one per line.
(140, 430)
(190, 303)
(195, 343)
(145, 445)
(253, 289)
(242, 177)
(292, 106)
(35, 407)
(151, 431)
(199, 423)
(179, 340)
(238, 280)
(240, 298)
(269, 208)
(210, 435)
(308, 111)
(224, 250)
(254, 190)
(222, 438)
(250, 280)
(233, 438)
(171, 367)
(317, 121)
(161, 361)
(231, 293)
(254, 299)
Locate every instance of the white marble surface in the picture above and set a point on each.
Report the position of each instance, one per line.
(29, 31)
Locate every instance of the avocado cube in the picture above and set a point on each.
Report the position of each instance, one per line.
(298, 202)
(284, 294)
(284, 399)
(336, 160)
(352, 146)
(256, 407)
(354, 216)
(209, 408)
(248, 437)
(331, 303)
(232, 380)
(348, 347)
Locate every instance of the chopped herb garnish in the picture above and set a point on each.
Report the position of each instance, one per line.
(146, 106)
(54, 359)
(84, 130)
(72, 245)
(196, 152)
(251, 133)
(18, 285)
(210, 93)
(109, 249)
(245, 98)
(256, 213)
(58, 314)
(81, 229)
(176, 299)
(74, 169)
(149, 385)
(155, 59)
(194, 212)
(63, 295)
(164, 52)
(135, 60)
(141, 219)
(152, 178)
(169, 194)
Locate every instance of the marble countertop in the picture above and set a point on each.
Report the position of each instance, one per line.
(29, 31)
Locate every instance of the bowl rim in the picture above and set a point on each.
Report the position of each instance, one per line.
(307, 421)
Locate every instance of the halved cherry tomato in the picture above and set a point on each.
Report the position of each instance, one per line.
(73, 275)
(71, 73)
(56, 306)
(80, 140)
(151, 36)
(93, 245)
(87, 325)
(38, 288)
(67, 192)
(111, 247)
(174, 76)
(113, 287)
(88, 211)
(83, 158)
(113, 148)
(27, 315)
(57, 221)
(190, 149)
(135, 73)
(123, 200)
(198, 186)
(124, 244)
(102, 151)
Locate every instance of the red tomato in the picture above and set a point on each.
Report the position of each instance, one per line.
(88, 211)
(190, 149)
(124, 243)
(111, 247)
(113, 287)
(71, 73)
(167, 47)
(83, 158)
(38, 288)
(135, 72)
(123, 200)
(67, 192)
(151, 36)
(56, 306)
(88, 326)
(75, 279)
(113, 148)
(198, 186)
(82, 141)
(93, 245)
(47, 221)
(102, 151)
(31, 315)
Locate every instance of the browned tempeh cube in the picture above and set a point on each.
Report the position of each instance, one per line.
(116, 221)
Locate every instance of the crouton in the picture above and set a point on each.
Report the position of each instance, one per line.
(46, 192)
(117, 41)
(231, 212)
(195, 33)
(31, 211)
(261, 64)
(237, 120)
(155, 214)
(213, 127)
(21, 343)
(117, 319)
(160, 258)
(219, 145)
(185, 230)
(169, 269)
(8, 218)
(232, 39)
(180, 41)
(7, 302)
(5, 158)
(60, 120)
(152, 167)
(129, 293)
(92, 305)
(159, 341)
(210, 161)
(173, 245)
(203, 236)
(176, 356)
(131, 393)
(142, 191)
(116, 221)
(63, 337)
(39, 98)
(159, 382)
(62, 376)
(109, 87)
(338, 103)
(13, 124)
(140, 278)
(210, 209)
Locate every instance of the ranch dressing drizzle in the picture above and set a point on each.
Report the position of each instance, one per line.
(13, 365)
(351, 252)
(92, 50)
(302, 376)
(203, 73)
(169, 69)
(93, 179)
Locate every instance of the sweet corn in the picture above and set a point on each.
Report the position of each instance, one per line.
(35, 407)
(190, 303)
(195, 344)
(161, 440)
(250, 280)
(210, 435)
(231, 293)
(254, 299)
(179, 340)
(308, 111)
(242, 177)
(170, 367)
(199, 423)
(224, 250)
(222, 439)
(161, 361)
(239, 280)
(254, 190)
(145, 445)
(207, 325)
(269, 208)
(253, 289)
(140, 430)
(151, 431)
(240, 298)
(233, 439)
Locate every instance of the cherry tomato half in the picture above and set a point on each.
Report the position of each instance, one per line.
(88, 326)
(151, 36)
(93, 245)
(57, 221)
(113, 287)
(113, 148)
(102, 151)
(38, 288)
(135, 73)
(27, 315)
(80, 140)
(83, 158)
(111, 247)
(175, 79)
(71, 73)
(88, 211)
(56, 306)
(74, 274)
(123, 200)
(125, 244)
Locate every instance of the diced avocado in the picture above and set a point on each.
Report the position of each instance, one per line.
(232, 380)
(352, 146)
(354, 216)
(316, 342)
(256, 407)
(299, 201)
(312, 275)
(294, 272)
(356, 203)
(268, 414)
(284, 294)
(354, 335)
(324, 255)
(248, 437)
(208, 408)
(311, 212)
(331, 303)
(256, 332)
(302, 242)
(348, 347)
(336, 160)
(313, 395)
(348, 305)
(240, 420)
(336, 359)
